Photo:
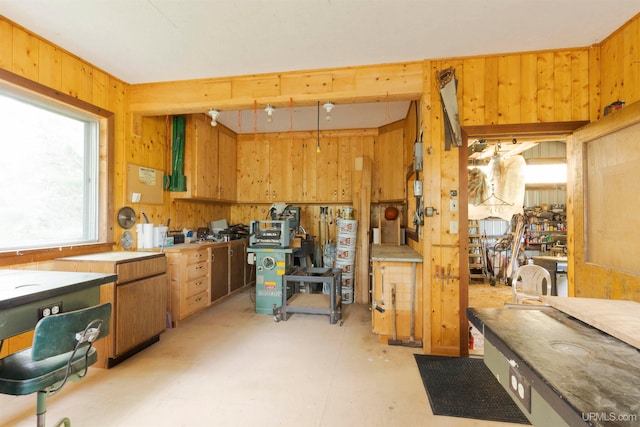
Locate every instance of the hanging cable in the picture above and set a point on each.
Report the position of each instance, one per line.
(318, 145)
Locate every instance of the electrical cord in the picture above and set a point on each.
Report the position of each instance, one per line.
(90, 334)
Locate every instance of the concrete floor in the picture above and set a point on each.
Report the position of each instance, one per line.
(228, 366)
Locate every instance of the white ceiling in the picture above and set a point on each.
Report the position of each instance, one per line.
(142, 41)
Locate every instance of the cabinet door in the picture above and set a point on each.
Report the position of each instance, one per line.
(219, 272)
(227, 158)
(310, 171)
(205, 159)
(140, 312)
(236, 262)
(327, 170)
(253, 169)
(388, 174)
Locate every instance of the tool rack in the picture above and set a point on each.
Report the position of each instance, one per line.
(312, 303)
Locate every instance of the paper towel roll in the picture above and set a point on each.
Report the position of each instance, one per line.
(147, 236)
(140, 234)
(376, 236)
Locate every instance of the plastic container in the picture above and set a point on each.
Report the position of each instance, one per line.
(347, 227)
(346, 253)
(345, 265)
(347, 295)
(346, 241)
(347, 212)
(347, 280)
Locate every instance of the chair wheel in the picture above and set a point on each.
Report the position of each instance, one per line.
(276, 319)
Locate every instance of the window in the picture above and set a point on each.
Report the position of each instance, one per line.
(49, 175)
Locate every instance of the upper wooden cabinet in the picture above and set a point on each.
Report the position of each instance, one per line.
(389, 171)
(287, 167)
(209, 161)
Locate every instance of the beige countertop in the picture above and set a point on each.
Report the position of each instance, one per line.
(395, 253)
(114, 256)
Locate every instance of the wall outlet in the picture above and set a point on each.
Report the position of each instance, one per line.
(453, 205)
(453, 227)
(49, 309)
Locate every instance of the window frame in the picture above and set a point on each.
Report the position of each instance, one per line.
(25, 88)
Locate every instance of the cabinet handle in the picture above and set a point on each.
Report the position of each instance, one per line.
(335, 193)
(230, 252)
(274, 194)
(343, 193)
(266, 194)
(213, 257)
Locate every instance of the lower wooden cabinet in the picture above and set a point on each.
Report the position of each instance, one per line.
(139, 299)
(237, 261)
(219, 272)
(203, 273)
(189, 280)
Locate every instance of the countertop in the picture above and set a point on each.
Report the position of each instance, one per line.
(19, 287)
(575, 367)
(115, 256)
(401, 253)
(557, 259)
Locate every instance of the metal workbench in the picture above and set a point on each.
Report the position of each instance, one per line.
(313, 303)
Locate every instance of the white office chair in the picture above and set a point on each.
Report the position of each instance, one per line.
(529, 283)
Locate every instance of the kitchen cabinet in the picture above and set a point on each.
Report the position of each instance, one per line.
(389, 172)
(237, 260)
(320, 176)
(138, 297)
(209, 161)
(269, 168)
(189, 279)
(253, 169)
(219, 271)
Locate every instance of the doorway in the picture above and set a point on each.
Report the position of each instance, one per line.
(490, 238)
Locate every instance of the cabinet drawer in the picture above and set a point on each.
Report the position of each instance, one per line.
(194, 257)
(197, 302)
(197, 286)
(129, 271)
(195, 271)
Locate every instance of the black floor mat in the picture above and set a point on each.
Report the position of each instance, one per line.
(465, 387)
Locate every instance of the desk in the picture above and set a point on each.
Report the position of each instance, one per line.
(570, 373)
(554, 265)
(22, 292)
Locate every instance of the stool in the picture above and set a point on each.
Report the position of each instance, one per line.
(62, 349)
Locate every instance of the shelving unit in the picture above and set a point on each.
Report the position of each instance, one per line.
(545, 230)
(476, 257)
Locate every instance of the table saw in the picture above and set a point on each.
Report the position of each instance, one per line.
(560, 370)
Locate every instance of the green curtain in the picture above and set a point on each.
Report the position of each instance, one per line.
(177, 180)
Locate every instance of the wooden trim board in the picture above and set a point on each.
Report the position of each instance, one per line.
(619, 318)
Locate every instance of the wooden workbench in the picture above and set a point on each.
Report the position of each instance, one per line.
(399, 267)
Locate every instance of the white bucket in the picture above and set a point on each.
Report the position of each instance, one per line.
(347, 280)
(347, 227)
(345, 265)
(347, 295)
(347, 212)
(346, 253)
(346, 240)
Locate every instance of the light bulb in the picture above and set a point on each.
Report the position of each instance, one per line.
(269, 110)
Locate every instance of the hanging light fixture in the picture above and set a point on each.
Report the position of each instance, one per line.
(214, 114)
(318, 144)
(328, 107)
(269, 109)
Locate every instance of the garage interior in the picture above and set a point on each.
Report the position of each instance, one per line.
(341, 135)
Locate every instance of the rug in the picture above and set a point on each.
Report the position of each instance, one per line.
(464, 387)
